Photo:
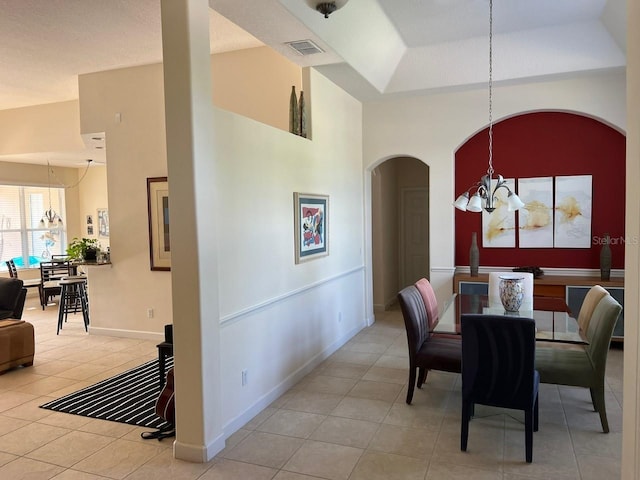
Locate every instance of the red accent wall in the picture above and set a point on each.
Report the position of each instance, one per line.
(546, 144)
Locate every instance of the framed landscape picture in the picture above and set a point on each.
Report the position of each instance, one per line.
(311, 218)
(158, 208)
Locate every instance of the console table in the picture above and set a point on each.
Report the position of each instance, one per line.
(571, 288)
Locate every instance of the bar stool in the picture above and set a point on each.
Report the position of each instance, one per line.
(73, 299)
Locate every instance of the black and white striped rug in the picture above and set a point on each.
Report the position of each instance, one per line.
(129, 397)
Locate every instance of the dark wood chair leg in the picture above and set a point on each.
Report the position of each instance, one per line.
(528, 435)
(464, 427)
(412, 383)
(599, 405)
(422, 376)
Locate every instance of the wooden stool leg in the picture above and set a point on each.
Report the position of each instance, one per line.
(61, 307)
(85, 306)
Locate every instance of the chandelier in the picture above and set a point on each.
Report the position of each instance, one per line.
(50, 218)
(326, 8)
(485, 194)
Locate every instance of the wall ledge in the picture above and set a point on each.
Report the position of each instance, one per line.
(568, 272)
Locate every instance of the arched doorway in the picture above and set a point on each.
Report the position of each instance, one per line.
(400, 227)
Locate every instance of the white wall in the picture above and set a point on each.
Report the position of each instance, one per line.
(278, 318)
(432, 127)
(135, 145)
(385, 235)
(40, 128)
(92, 193)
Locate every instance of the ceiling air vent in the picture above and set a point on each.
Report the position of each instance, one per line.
(305, 47)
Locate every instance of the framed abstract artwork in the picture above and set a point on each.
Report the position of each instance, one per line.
(158, 209)
(311, 219)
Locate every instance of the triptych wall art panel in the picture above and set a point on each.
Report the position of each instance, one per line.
(573, 212)
(499, 226)
(536, 218)
(559, 218)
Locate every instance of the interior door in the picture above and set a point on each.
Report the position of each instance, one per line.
(414, 235)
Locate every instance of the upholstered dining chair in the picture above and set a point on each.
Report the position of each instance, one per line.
(498, 356)
(494, 288)
(426, 352)
(431, 305)
(589, 304)
(430, 301)
(584, 366)
(591, 300)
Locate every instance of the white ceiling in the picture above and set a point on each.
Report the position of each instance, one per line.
(373, 48)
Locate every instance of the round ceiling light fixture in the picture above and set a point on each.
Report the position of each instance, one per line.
(326, 8)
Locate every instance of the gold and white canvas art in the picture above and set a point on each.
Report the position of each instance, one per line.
(573, 212)
(535, 219)
(499, 226)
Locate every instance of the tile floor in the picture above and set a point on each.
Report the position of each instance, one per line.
(345, 420)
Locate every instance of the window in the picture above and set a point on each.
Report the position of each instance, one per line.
(24, 236)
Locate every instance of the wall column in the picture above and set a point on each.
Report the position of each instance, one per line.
(631, 403)
(191, 172)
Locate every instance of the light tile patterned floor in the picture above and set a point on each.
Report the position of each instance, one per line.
(347, 420)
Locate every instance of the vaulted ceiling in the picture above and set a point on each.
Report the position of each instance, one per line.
(373, 49)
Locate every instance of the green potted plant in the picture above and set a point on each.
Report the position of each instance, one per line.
(83, 249)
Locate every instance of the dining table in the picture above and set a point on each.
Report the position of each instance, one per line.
(554, 320)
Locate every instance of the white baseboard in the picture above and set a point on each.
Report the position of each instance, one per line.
(197, 453)
(118, 332)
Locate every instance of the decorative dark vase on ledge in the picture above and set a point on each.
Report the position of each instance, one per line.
(474, 255)
(605, 259)
(303, 116)
(294, 118)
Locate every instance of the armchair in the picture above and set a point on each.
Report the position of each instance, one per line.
(16, 336)
(12, 297)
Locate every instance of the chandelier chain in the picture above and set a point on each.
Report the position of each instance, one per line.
(490, 169)
(49, 182)
(61, 183)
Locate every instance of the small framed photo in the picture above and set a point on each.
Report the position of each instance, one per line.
(103, 222)
(158, 209)
(89, 219)
(90, 230)
(311, 220)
